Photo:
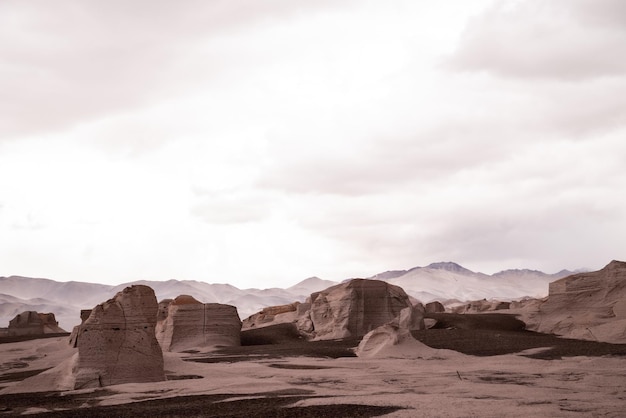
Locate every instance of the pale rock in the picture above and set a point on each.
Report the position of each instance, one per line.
(187, 324)
(412, 318)
(390, 341)
(589, 306)
(354, 308)
(482, 305)
(274, 315)
(117, 343)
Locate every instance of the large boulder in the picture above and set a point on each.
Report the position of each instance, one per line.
(117, 343)
(589, 306)
(352, 309)
(185, 324)
(34, 323)
(274, 315)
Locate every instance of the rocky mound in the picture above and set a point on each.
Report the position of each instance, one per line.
(482, 305)
(117, 343)
(589, 306)
(274, 315)
(392, 341)
(346, 310)
(186, 323)
(33, 323)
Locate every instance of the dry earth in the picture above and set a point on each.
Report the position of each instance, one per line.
(479, 369)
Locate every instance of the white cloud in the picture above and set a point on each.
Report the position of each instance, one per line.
(262, 143)
(564, 39)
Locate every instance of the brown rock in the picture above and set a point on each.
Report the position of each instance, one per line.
(34, 323)
(190, 324)
(268, 315)
(434, 307)
(117, 343)
(354, 308)
(588, 306)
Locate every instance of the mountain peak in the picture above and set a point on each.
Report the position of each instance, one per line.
(448, 266)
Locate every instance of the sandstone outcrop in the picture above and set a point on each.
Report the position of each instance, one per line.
(186, 323)
(434, 307)
(117, 343)
(352, 309)
(274, 315)
(84, 314)
(589, 306)
(482, 305)
(34, 323)
(412, 318)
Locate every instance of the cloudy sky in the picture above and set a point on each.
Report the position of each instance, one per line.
(262, 142)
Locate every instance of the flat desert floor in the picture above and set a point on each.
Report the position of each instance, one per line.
(461, 373)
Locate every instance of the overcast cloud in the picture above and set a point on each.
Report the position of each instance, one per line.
(260, 143)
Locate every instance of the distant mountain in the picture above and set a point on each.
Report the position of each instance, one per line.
(449, 280)
(450, 266)
(436, 281)
(310, 285)
(66, 299)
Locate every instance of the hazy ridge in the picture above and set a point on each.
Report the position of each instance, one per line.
(437, 281)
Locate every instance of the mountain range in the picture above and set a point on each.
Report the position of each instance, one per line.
(443, 281)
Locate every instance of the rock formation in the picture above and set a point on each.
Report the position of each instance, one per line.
(84, 314)
(117, 343)
(412, 318)
(589, 306)
(434, 307)
(391, 341)
(352, 309)
(185, 323)
(34, 323)
(274, 315)
(482, 305)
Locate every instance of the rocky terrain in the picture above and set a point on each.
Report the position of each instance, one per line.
(359, 348)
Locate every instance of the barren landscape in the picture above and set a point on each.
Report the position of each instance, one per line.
(461, 372)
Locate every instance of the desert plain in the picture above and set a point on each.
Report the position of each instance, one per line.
(324, 378)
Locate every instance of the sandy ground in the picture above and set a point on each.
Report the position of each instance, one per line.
(302, 379)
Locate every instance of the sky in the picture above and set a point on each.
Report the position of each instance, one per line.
(261, 143)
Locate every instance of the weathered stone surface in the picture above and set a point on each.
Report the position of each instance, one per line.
(412, 318)
(34, 323)
(117, 343)
(188, 324)
(354, 308)
(588, 306)
(434, 307)
(482, 305)
(274, 315)
(84, 314)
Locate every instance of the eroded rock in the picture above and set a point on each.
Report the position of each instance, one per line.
(186, 323)
(589, 306)
(354, 308)
(34, 323)
(117, 343)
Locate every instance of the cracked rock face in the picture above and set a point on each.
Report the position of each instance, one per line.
(354, 308)
(185, 323)
(117, 343)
